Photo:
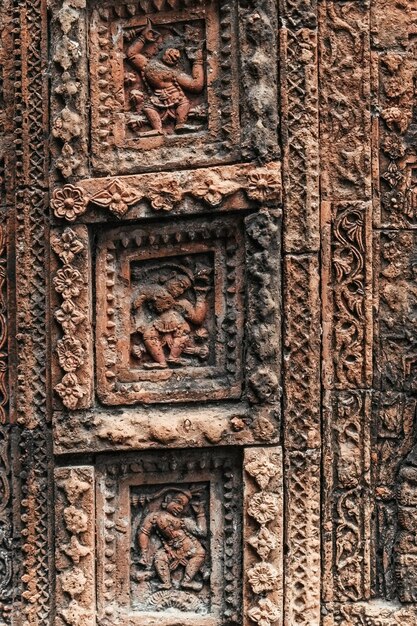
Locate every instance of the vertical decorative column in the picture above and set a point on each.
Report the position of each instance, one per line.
(346, 222)
(394, 63)
(302, 439)
(31, 441)
(262, 535)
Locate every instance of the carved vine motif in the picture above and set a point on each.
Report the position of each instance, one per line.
(395, 413)
(397, 306)
(348, 453)
(167, 191)
(262, 535)
(405, 552)
(75, 540)
(345, 101)
(6, 543)
(69, 284)
(397, 155)
(350, 289)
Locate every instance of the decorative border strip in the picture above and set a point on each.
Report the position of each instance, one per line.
(75, 545)
(74, 348)
(166, 191)
(263, 526)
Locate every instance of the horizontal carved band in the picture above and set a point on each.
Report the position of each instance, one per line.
(235, 186)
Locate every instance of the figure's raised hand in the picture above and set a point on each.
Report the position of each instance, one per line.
(149, 33)
(199, 56)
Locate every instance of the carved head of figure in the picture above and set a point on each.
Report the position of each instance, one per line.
(171, 56)
(177, 285)
(163, 302)
(175, 502)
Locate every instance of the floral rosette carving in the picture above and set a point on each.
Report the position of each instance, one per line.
(69, 284)
(263, 577)
(68, 202)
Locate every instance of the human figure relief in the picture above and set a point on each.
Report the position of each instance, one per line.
(162, 315)
(165, 84)
(179, 536)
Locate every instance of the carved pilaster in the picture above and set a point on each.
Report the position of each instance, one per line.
(347, 295)
(300, 122)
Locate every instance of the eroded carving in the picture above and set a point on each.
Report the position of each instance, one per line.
(236, 186)
(162, 91)
(169, 310)
(348, 453)
(168, 318)
(171, 539)
(155, 82)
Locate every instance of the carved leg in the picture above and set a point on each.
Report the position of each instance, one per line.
(182, 115)
(194, 565)
(153, 345)
(161, 562)
(154, 120)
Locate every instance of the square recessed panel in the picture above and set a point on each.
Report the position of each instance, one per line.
(163, 83)
(169, 544)
(169, 312)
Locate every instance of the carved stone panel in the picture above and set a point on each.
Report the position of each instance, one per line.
(168, 84)
(184, 311)
(169, 540)
(170, 313)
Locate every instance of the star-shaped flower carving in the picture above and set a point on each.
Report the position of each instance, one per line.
(70, 391)
(69, 316)
(264, 542)
(117, 197)
(262, 469)
(265, 613)
(74, 487)
(75, 550)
